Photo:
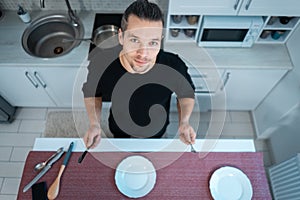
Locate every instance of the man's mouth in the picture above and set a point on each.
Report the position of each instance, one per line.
(141, 62)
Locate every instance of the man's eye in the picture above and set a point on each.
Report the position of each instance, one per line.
(153, 44)
(134, 40)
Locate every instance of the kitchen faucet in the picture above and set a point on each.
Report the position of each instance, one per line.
(73, 17)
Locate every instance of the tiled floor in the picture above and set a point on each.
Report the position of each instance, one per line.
(17, 139)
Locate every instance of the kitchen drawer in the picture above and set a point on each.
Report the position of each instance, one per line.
(206, 80)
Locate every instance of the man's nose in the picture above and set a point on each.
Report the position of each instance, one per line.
(143, 49)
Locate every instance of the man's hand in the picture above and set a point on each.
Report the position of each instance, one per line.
(92, 136)
(186, 133)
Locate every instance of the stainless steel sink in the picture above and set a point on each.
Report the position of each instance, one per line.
(49, 36)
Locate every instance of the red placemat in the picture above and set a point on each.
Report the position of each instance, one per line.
(185, 178)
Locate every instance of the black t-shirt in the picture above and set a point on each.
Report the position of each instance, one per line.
(138, 99)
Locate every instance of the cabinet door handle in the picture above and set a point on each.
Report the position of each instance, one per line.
(248, 4)
(225, 81)
(40, 80)
(30, 78)
(236, 4)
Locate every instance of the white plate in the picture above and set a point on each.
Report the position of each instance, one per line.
(230, 183)
(135, 176)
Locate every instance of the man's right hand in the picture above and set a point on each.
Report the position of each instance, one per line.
(93, 136)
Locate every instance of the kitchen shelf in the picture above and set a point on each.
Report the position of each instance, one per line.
(183, 24)
(269, 38)
(181, 37)
(277, 25)
(199, 9)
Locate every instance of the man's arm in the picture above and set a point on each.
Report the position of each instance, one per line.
(93, 107)
(185, 108)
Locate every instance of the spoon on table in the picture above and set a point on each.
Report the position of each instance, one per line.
(41, 165)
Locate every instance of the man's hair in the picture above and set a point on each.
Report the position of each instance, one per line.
(144, 10)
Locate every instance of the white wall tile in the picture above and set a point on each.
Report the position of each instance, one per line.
(32, 126)
(5, 153)
(10, 186)
(11, 169)
(31, 113)
(20, 154)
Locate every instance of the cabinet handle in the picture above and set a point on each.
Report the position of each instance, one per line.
(236, 4)
(40, 80)
(248, 4)
(30, 78)
(225, 81)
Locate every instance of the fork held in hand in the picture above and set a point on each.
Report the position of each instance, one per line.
(192, 148)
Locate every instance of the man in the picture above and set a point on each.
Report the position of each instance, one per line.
(139, 82)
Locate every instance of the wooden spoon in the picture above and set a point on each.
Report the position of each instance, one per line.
(54, 188)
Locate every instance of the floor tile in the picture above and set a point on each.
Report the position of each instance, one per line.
(12, 127)
(237, 116)
(260, 145)
(5, 153)
(20, 154)
(238, 130)
(18, 139)
(8, 197)
(31, 113)
(11, 169)
(215, 116)
(1, 183)
(10, 186)
(32, 126)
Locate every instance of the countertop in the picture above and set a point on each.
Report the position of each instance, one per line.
(260, 56)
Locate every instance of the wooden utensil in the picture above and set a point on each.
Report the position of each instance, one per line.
(54, 188)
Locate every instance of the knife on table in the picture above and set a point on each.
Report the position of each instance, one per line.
(44, 171)
(54, 188)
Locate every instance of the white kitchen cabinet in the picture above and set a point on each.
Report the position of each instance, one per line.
(19, 87)
(38, 86)
(235, 7)
(267, 9)
(204, 7)
(246, 88)
(270, 7)
(60, 83)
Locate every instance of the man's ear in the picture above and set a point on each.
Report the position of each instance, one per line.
(120, 36)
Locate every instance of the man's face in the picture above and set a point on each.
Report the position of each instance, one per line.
(141, 43)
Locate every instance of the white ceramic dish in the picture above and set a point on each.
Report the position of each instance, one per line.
(135, 176)
(230, 183)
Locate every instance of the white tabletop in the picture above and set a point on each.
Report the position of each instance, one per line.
(147, 145)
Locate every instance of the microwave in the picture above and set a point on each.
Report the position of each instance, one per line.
(229, 31)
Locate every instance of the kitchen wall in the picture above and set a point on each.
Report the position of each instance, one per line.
(284, 103)
(97, 5)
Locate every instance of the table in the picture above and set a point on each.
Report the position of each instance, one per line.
(180, 175)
